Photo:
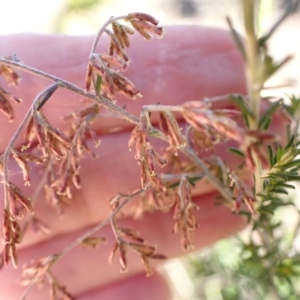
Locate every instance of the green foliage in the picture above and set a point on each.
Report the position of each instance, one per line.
(264, 263)
(243, 106)
(266, 117)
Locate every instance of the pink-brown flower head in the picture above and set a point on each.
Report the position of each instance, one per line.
(50, 137)
(169, 126)
(21, 161)
(113, 252)
(6, 254)
(56, 201)
(89, 77)
(17, 196)
(81, 131)
(198, 116)
(9, 74)
(135, 137)
(123, 258)
(185, 220)
(58, 143)
(97, 64)
(37, 269)
(143, 17)
(121, 33)
(89, 112)
(113, 81)
(147, 30)
(95, 68)
(124, 85)
(92, 242)
(5, 106)
(63, 184)
(205, 139)
(108, 86)
(143, 249)
(147, 158)
(111, 48)
(242, 193)
(29, 134)
(38, 226)
(13, 255)
(132, 234)
(116, 47)
(7, 230)
(112, 61)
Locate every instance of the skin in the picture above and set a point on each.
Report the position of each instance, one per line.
(188, 63)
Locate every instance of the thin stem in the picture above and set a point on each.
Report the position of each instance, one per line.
(115, 230)
(224, 191)
(38, 190)
(79, 240)
(27, 290)
(166, 177)
(102, 30)
(213, 180)
(254, 67)
(180, 194)
(97, 227)
(121, 113)
(253, 61)
(11, 143)
(152, 108)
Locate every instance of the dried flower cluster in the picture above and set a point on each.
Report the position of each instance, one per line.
(100, 65)
(137, 244)
(167, 175)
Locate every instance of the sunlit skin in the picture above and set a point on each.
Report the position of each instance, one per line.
(189, 63)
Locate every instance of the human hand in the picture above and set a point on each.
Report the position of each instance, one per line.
(188, 63)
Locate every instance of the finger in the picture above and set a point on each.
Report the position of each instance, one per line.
(189, 63)
(215, 222)
(134, 288)
(115, 171)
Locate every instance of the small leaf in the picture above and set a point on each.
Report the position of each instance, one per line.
(155, 132)
(239, 43)
(97, 84)
(286, 185)
(294, 163)
(193, 180)
(271, 67)
(286, 176)
(266, 123)
(239, 101)
(290, 143)
(237, 151)
(261, 195)
(271, 156)
(279, 191)
(278, 155)
(270, 111)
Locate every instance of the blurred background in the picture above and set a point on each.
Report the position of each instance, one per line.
(212, 274)
(78, 17)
